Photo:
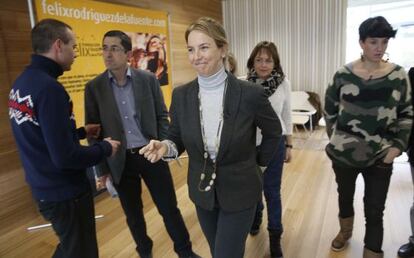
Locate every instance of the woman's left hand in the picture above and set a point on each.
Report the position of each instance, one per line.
(288, 155)
(391, 155)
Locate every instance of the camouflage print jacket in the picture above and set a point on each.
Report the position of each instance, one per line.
(366, 117)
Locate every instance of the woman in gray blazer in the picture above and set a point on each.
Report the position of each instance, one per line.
(214, 118)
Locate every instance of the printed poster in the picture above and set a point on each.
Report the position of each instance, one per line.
(90, 20)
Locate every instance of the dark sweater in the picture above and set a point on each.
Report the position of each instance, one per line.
(44, 127)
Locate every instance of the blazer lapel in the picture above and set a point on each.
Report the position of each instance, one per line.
(110, 105)
(136, 82)
(231, 106)
(193, 115)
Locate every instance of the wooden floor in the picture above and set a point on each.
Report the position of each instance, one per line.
(309, 215)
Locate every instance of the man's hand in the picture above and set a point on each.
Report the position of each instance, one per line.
(154, 151)
(93, 130)
(101, 182)
(115, 145)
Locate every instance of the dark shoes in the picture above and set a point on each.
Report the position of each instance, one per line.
(193, 255)
(406, 251)
(146, 255)
(254, 230)
(274, 244)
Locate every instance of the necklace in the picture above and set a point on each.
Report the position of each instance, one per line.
(202, 185)
(370, 71)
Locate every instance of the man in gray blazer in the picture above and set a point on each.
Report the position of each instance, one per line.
(129, 106)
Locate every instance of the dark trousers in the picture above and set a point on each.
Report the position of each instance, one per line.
(158, 179)
(410, 154)
(74, 223)
(226, 232)
(412, 209)
(377, 180)
(272, 181)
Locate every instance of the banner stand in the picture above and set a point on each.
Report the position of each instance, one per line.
(48, 224)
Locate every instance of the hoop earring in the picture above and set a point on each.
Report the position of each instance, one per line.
(387, 57)
(362, 57)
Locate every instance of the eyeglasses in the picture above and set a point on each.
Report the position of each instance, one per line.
(112, 49)
(263, 61)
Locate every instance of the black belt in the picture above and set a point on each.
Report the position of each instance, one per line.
(134, 150)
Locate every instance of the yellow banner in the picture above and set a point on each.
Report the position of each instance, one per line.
(90, 20)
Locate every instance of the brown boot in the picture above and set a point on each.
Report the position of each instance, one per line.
(345, 233)
(371, 254)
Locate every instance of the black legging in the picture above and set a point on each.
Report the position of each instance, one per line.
(377, 179)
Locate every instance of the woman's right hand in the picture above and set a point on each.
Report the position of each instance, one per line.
(154, 150)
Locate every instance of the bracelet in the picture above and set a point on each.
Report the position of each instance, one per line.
(289, 146)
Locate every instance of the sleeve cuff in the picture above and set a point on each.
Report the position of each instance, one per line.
(81, 132)
(172, 152)
(106, 147)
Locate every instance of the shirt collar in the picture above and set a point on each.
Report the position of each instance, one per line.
(113, 79)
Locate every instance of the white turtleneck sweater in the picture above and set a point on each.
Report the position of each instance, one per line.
(211, 96)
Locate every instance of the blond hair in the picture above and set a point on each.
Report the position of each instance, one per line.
(211, 28)
(231, 63)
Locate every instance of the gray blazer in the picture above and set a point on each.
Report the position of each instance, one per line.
(238, 184)
(101, 108)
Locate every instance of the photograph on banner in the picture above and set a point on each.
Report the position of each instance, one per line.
(149, 53)
(90, 20)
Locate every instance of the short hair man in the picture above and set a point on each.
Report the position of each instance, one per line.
(43, 124)
(129, 105)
